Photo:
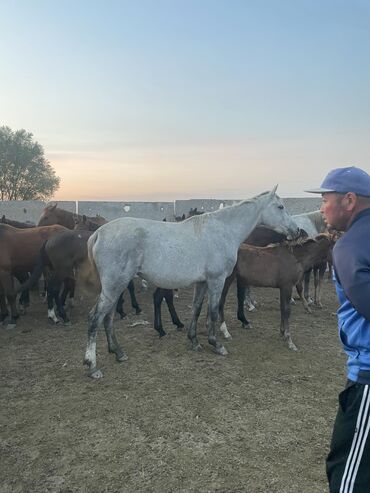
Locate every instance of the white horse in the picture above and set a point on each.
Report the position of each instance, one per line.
(202, 250)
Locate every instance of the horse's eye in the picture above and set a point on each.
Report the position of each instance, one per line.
(281, 206)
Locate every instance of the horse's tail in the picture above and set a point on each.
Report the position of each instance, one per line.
(88, 275)
(42, 262)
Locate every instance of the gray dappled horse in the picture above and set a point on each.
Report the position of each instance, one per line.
(202, 250)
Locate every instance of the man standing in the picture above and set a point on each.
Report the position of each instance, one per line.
(346, 207)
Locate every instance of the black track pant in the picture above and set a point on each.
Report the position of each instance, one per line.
(348, 462)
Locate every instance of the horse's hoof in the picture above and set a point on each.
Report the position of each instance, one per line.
(197, 347)
(221, 350)
(228, 337)
(247, 325)
(67, 323)
(162, 333)
(11, 326)
(292, 346)
(180, 327)
(52, 321)
(95, 374)
(122, 316)
(120, 357)
(138, 311)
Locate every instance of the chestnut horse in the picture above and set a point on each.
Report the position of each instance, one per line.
(19, 250)
(277, 266)
(54, 215)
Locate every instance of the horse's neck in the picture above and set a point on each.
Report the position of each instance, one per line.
(66, 218)
(309, 254)
(239, 220)
(316, 219)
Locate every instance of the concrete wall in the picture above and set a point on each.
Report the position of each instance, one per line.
(31, 210)
(22, 210)
(113, 210)
(294, 205)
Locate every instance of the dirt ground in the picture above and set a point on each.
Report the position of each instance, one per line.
(170, 419)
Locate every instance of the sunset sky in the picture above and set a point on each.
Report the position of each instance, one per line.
(163, 100)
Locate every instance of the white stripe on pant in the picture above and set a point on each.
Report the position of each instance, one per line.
(358, 444)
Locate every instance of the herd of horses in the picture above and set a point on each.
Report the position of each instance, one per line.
(255, 242)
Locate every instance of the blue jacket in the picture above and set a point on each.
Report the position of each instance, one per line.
(351, 260)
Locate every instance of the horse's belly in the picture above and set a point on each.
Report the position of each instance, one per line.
(171, 279)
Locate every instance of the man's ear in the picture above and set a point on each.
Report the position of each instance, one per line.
(350, 201)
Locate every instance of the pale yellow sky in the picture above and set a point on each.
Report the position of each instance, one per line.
(228, 170)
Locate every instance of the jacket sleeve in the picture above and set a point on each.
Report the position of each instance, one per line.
(353, 272)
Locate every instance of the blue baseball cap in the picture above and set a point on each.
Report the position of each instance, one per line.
(343, 180)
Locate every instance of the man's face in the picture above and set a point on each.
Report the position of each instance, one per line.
(334, 211)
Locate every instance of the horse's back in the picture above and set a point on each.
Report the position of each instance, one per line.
(23, 245)
(270, 266)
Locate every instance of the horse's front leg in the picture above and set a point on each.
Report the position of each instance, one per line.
(199, 293)
(3, 306)
(214, 294)
(157, 303)
(318, 278)
(285, 310)
(168, 296)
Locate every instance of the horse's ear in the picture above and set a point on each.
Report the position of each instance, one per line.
(84, 219)
(53, 207)
(274, 189)
(3, 219)
(75, 218)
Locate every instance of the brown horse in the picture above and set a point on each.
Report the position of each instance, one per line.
(279, 266)
(19, 250)
(54, 215)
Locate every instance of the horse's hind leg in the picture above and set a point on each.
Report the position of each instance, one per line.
(221, 305)
(134, 303)
(241, 290)
(306, 277)
(96, 316)
(58, 301)
(24, 299)
(7, 282)
(199, 292)
(214, 295)
(168, 296)
(113, 345)
(68, 290)
(299, 289)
